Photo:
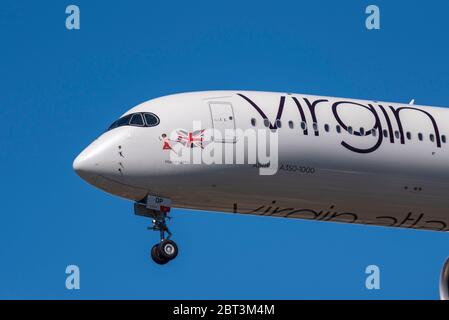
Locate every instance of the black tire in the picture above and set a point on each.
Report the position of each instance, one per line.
(168, 249)
(155, 255)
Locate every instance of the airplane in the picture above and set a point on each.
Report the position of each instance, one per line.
(277, 154)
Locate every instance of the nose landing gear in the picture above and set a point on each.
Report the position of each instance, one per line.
(157, 209)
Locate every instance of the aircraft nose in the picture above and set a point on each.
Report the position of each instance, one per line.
(87, 164)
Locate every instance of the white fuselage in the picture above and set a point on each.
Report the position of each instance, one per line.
(340, 160)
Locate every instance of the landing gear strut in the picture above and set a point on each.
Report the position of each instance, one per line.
(157, 209)
(166, 249)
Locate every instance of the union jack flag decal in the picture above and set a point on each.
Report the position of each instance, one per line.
(191, 139)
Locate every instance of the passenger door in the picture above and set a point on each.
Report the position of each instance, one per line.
(223, 121)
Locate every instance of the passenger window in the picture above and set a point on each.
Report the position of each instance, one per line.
(374, 132)
(151, 119)
(409, 135)
(385, 133)
(350, 131)
(362, 131)
(278, 123)
(443, 138)
(315, 126)
(420, 136)
(326, 127)
(137, 120)
(290, 124)
(338, 128)
(396, 134)
(253, 122)
(303, 125)
(266, 123)
(432, 138)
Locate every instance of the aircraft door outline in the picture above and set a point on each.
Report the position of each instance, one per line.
(223, 120)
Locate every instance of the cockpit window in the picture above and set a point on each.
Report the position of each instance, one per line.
(151, 119)
(123, 121)
(136, 120)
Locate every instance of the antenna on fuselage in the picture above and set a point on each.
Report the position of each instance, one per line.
(412, 102)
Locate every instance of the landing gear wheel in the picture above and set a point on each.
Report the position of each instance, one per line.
(168, 249)
(155, 255)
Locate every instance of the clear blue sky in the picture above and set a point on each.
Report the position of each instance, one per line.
(60, 89)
